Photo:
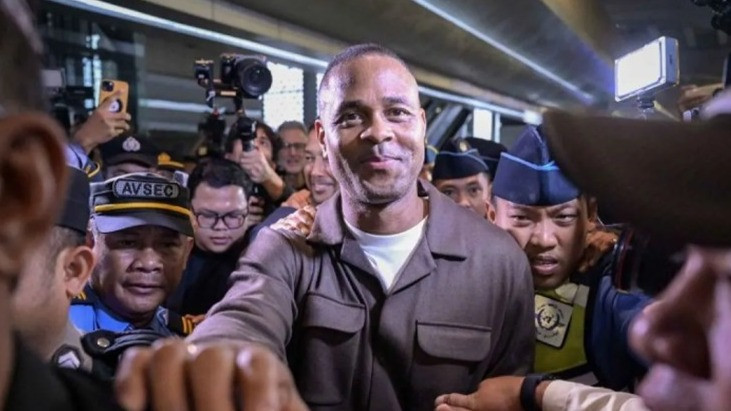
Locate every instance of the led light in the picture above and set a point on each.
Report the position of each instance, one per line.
(646, 70)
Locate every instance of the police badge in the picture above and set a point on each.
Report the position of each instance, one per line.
(552, 320)
(131, 144)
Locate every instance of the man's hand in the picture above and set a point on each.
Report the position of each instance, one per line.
(692, 96)
(598, 243)
(174, 375)
(499, 394)
(102, 126)
(254, 162)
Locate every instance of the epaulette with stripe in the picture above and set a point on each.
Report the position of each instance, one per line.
(181, 324)
(92, 169)
(85, 297)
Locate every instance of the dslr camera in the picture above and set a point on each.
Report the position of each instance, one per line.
(240, 77)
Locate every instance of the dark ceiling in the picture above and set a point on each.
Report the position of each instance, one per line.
(570, 43)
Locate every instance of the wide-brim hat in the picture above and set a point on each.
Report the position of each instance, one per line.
(672, 179)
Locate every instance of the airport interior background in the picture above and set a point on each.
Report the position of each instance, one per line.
(484, 68)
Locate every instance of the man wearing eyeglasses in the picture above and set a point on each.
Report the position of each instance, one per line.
(218, 188)
(291, 156)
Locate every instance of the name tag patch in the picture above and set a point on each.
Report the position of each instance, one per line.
(142, 189)
(552, 320)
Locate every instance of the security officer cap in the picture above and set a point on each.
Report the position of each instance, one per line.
(490, 151)
(129, 149)
(140, 199)
(457, 159)
(75, 214)
(528, 175)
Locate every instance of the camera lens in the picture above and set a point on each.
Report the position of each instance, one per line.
(107, 85)
(254, 78)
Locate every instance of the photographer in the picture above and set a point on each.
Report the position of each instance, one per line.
(258, 163)
(291, 157)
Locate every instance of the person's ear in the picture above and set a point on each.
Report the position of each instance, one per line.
(320, 132)
(32, 179)
(491, 213)
(78, 264)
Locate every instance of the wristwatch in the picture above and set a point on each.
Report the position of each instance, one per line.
(528, 390)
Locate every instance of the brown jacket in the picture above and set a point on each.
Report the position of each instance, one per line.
(461, 311)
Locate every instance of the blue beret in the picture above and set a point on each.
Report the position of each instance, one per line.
(489, 150)
(458, 160)
(528, 175)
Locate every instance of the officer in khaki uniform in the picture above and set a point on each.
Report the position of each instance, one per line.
(142, 234)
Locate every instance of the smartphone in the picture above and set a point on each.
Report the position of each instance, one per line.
(647, 70)
(109, 87)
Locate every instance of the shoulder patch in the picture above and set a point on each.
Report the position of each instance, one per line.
(299, 223)
(67, 356)
(183, 325)
(84, 297)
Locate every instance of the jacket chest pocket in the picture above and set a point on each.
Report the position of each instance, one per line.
(325, 351)
(449, 357)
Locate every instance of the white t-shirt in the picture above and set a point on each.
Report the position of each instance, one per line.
(388, 253)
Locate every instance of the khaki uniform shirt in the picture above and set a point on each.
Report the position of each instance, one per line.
(460, 311)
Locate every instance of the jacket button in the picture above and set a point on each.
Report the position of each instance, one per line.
(103, 342)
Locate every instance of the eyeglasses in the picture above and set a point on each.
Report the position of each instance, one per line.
(231, 220)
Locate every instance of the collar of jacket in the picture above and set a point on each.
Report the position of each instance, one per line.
(442, 235)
